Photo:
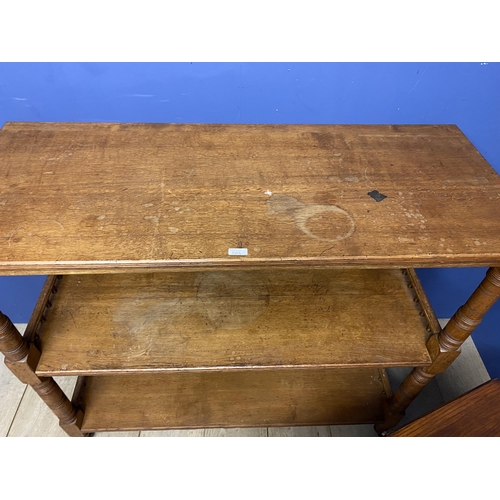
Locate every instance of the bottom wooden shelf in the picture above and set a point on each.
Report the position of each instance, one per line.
(232, 399)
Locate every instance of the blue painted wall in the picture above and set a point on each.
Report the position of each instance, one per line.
(465, 94)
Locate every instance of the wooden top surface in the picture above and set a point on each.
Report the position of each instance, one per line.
(85, 197)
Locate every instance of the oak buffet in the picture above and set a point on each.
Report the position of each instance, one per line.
(239, 275)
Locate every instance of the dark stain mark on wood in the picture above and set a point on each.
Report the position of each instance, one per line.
(325, 140)
(376, 195)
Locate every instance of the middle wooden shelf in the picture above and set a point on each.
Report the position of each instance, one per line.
(226, 320)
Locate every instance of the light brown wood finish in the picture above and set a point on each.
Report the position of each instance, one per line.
(444, 347)
(233, 399)
(33, 418)
(110, 198)
(12, 344)
(474, 414)
(70, 417)
(21, 358)
(420, 297)
(235, 319)
(87, 197)
(38, 316)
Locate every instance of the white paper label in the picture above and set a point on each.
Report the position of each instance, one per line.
(237, 251)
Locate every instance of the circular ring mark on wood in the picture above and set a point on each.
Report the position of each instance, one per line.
(330, 220)
(336, 220)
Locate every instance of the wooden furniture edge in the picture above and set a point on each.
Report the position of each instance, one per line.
(116, 402)
(42, 304)
(116, 267)
(403, 431)
(21, 357)
(434, 325)
(443, 348)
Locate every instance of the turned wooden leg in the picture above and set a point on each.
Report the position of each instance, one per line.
(443, 348)
(22, 358)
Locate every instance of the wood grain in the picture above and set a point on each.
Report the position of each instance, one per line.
(12, 344)
(420, 295)
(233, 399)
(231, 320)
(474, 414)
(93, 197)
(466, 373)
(21, 358)
(54, 397)
(43, 303)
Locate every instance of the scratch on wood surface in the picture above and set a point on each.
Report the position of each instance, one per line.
(388, 136)
(60, 156)
(72, 317)
(144, 351)
(54, 221)
(157, 218)
(476, 181)
(11, 236)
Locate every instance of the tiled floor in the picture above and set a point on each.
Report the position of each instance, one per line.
(22, 412)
